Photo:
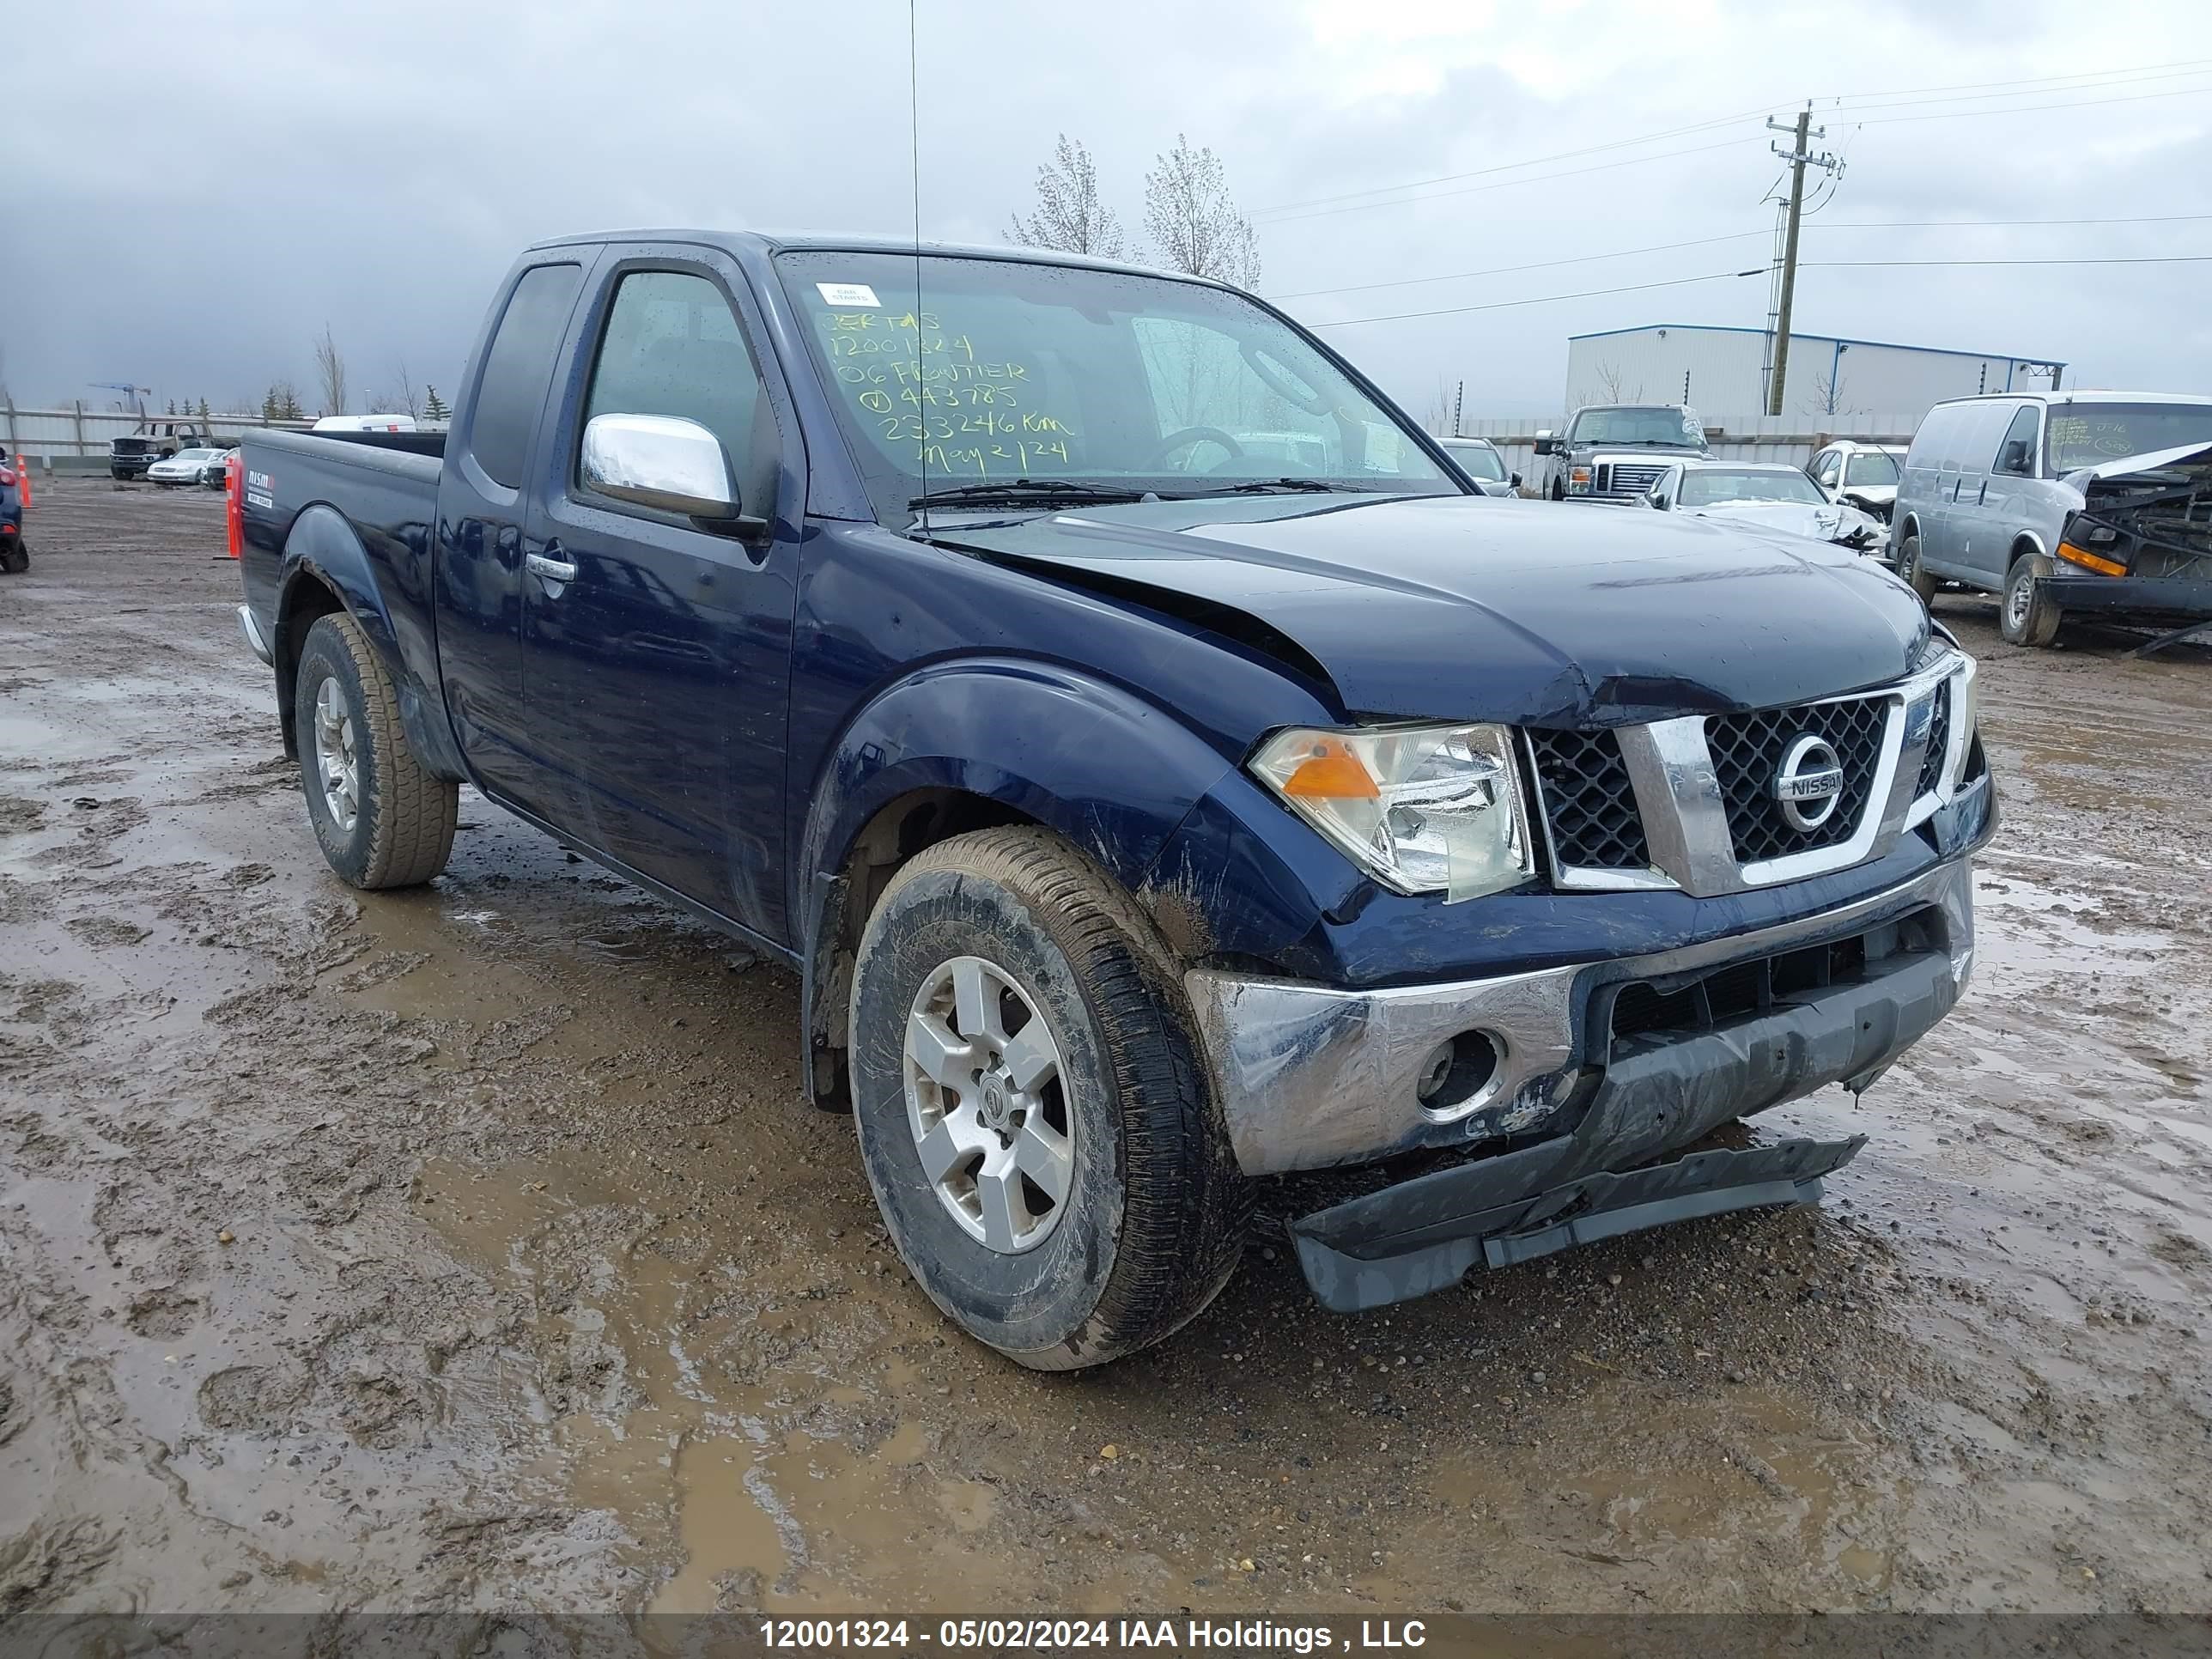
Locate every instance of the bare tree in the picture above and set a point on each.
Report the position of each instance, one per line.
(407, 400)
(1609, 383)
(1827, 397)
(331, 374)
(1069, 215)
(1197, 227)
(1439, 421)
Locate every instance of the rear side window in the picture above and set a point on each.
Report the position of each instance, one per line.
(672, 347)
(516, 367)
(1928, 442)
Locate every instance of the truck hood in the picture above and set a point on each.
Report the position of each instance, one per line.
(2180, 459)
(1638, 452)
(1471, 607)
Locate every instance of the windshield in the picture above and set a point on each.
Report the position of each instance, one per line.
(1716, 486)
(196, 454)
(1007, 370)
(1637, 426)
(1871, 466)
(1479, 460)
(2088, 435)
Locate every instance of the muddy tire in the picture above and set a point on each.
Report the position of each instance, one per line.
(381, 819)
(15, 558)
(1018, 1027)
(1913, 573)
(2026, 615)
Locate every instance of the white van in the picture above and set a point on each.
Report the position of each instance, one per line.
(365, 423)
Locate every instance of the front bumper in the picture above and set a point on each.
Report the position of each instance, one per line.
(2149, 598)
(1311, 1075)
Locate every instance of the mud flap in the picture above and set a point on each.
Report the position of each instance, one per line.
(1422, 1235)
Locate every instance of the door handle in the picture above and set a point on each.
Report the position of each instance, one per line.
(546, 567)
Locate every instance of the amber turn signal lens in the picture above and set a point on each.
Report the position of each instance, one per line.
(1332, 772)
(2089, 560)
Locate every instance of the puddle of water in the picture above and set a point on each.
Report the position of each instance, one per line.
(2025, 933)
(744, 1492)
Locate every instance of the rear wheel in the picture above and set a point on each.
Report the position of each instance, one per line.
(1910, 567)
(2028, 616)
(1033, 1117)
(382, 820)
(14, 556)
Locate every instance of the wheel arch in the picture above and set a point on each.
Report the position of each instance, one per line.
(964, 746)
(325, 570)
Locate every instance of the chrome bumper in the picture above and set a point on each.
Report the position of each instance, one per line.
(251, 630)
(1309, 1076)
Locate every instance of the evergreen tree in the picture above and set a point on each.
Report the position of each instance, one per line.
(434, 406)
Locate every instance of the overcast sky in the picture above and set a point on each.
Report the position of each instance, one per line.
(194, 191)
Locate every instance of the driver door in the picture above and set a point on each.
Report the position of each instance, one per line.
(658, 668)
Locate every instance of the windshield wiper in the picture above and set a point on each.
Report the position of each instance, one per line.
(1016, 490)
(1282, 487)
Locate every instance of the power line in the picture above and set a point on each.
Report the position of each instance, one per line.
(1757, 271)
(1839, 102)
(1503, 271)
(1741, 236)
(1542, 299)
(1516, 167)
(1852, 108)
(1508, 184)
(2031, 81)
(2024, 109)
(2106, 259)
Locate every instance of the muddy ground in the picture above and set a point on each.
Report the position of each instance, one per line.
(468, 1247)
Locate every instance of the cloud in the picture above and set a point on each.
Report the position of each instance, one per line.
(188, 213)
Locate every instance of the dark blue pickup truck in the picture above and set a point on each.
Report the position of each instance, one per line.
(1163, 769)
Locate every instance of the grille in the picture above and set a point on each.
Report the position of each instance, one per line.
(1588, 801)
(1748, 749)
(1628, 477)
(1938, 743)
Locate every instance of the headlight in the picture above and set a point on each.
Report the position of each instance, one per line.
(1423, 808)
(1578, 480)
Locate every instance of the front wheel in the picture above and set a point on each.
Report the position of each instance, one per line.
(1913, 572)
(2029, 617)
(1033, 1115)
(382, 818)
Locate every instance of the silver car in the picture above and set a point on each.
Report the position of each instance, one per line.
(1483, 462)
(2059, 501)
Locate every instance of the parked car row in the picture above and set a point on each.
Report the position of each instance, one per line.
(2092, 501)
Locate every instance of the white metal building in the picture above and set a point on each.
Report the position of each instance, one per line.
(1829, 377)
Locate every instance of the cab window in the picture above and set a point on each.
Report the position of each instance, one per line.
(671, 346)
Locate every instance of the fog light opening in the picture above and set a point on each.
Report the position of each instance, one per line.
(1457, 1071)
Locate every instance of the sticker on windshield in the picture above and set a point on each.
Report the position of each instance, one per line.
(846, 293)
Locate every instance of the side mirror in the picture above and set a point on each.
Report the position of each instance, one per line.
(1658, 499)
(1546, 445)
(2015, 459)
(1513, 478)
(659, 461)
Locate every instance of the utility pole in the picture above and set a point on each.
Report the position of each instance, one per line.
(1799, 157)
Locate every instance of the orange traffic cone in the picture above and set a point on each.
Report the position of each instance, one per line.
(23, 477)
